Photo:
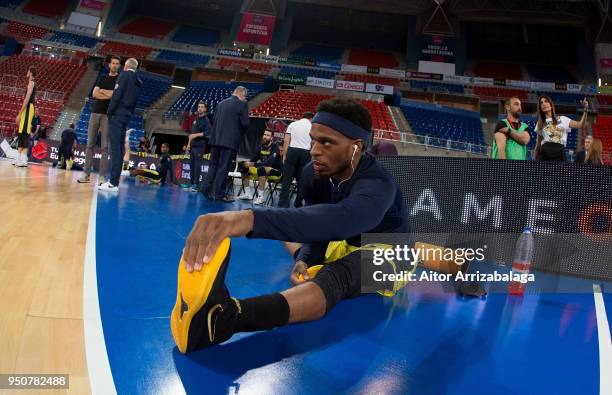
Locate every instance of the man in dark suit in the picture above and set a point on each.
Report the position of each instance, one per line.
(230, 122)
(581, 156)
(120, 111)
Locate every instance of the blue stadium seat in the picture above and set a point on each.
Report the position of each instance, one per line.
(74, 39)
(563, 98)
(305, 72)
(211, 92)
(183, 58)
(550, 73)
(197, 36)
(11, 4)
(436, 86)
(319, 52)
(444, 123)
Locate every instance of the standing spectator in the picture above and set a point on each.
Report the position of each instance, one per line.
(383, 148)
(594, 155)
(297, 155)
(24, 119)
(581, 156)
(165, 164)
(98, 121)
(35, 134)
(231, 121)
(511, 135)
(553, 130)
(67, 145)
(198, 140)
(120, 112)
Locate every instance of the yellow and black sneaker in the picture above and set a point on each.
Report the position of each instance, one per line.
(204, 313)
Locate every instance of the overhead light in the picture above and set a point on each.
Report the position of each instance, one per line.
(179, 87)
(599, 82)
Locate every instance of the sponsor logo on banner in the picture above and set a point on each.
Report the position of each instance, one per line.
(291, 79)
(499, 82)
(574, 88)
(350, 86)
(481, 81)
(327, 65)
(606, 63)
(560, 87)
(230, 52)
(309, 62)
(424, 76)
(392, 73)
(256, 29)
(351, 68)
(266, 58)
(377, 88)
(373, 70)
(519, 84)
(544, 85)
(459, 79)
(320, 82)
(286, 60)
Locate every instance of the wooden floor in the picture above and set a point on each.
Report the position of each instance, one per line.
(43, 230)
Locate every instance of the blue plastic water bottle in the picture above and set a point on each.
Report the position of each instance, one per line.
(523, 255)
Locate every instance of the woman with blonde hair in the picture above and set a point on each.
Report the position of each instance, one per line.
(553, 130)
(594, 156)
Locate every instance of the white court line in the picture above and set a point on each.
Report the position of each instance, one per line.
(98, 367)
(605, 344)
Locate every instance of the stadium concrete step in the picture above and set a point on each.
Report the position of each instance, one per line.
(65, 118)
(76, 101)
(257, 100)
(401, 123)
(154, 115)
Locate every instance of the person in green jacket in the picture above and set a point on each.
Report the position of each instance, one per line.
(511, 135)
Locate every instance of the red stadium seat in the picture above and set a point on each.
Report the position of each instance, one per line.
(23, 32)
(125, 50)
(148, 27)
(291, 106)
(509, 71)
(498, 94)
(226, 63)
(46, 8)
(366, 57)
(602, 129)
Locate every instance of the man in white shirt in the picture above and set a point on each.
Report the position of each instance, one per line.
(296, 156)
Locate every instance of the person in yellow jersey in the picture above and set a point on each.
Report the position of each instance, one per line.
(24, 119)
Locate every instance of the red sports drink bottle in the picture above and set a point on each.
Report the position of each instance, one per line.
(522, 261)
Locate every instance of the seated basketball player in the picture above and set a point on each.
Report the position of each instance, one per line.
(266, 162)
(347, 193)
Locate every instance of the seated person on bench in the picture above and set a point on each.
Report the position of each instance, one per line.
(266, 162)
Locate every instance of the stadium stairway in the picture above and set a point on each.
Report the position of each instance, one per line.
(154, 116)
(65, 118)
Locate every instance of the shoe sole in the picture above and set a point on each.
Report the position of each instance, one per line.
(193, 291)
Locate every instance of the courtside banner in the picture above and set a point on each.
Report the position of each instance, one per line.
(48, 151)
(350, 86)
(377, 88)
(395, 73)
(351, 68)
(256, 29)
(320, 82)
(568, 207)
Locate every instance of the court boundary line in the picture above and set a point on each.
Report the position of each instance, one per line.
(98, 365)
(605, 344)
